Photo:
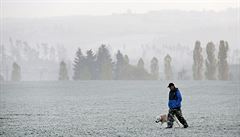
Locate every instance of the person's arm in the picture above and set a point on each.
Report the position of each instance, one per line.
(179, 97)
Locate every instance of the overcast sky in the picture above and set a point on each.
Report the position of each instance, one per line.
(48, 8)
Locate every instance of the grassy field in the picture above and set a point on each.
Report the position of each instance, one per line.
(117, 108)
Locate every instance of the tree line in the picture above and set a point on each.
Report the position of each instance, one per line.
(100, 65)
(216, 67)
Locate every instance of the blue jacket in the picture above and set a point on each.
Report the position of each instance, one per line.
(175, 99)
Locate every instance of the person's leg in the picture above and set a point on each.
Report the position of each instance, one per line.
(181, 118)
(170, 118)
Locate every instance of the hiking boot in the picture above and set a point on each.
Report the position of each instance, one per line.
(168, 127)
(185, 126)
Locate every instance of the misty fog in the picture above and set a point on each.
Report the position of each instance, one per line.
(120, 68)
(38, 45)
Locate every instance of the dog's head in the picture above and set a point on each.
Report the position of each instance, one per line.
(158, 119)
(161, 118)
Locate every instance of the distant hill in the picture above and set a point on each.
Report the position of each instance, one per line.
(131, 33)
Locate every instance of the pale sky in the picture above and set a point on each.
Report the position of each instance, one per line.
(48, 8)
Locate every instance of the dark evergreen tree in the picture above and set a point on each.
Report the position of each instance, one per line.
(104, 63)
(78, 65)
(91, 64)
(119, 69)
(126, 69)
(139, 72)
(126, 59)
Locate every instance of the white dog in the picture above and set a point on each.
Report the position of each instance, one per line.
(164, 118)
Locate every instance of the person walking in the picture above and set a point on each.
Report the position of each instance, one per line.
(174, 104)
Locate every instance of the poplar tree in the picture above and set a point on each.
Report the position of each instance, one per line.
(197, 62)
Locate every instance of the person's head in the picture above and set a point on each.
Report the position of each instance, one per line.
(171, 86)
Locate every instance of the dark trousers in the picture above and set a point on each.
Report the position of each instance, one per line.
(178, 114)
